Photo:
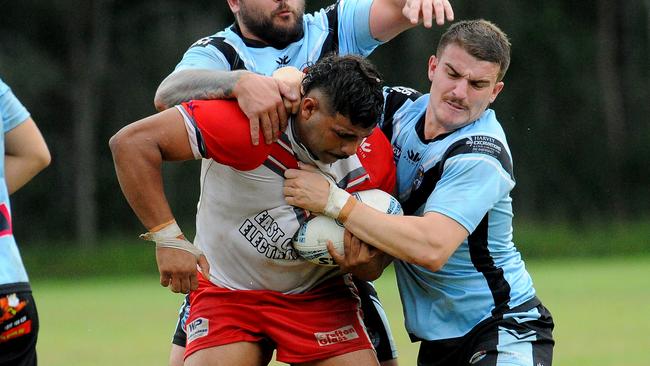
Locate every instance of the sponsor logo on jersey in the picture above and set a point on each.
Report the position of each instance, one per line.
(197, 329)
(203, 42)
(365, 146)
(413, 156)
(397, 151)
(484, 145)
(340, 335)
(283, 61)
(418, 178)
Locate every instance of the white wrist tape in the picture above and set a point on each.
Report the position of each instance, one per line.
(168, 237)
(335, 200)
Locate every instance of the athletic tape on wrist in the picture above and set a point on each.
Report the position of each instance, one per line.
(336, 199)
(168, 237)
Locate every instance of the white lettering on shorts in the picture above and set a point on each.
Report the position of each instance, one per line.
(197, 329)
(342, 334)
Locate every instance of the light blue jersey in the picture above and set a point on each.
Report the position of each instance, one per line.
(465, 175)
(12, 271)
(342, 28)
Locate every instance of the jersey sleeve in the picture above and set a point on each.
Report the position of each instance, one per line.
(376, 156)
(12, 111)
(394, 99)
(219, 130)
(203, 55)
(354, 27)
(472, 182)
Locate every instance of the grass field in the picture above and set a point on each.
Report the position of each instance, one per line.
(601, 310)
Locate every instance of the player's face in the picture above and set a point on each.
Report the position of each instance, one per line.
(462, 87)
(330, 137)
(276, 22)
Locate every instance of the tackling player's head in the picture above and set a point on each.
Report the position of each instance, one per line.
(274, 22)
(342, 103)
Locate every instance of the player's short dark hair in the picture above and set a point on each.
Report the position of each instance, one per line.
(481, 39)
(351, 83)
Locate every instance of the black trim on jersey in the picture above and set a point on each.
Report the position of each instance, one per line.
(474, 145)
(420, 195)
(395, 99)
(226, 49)
(331, 44)
(252, 43)
(483, 262)
(419, 129)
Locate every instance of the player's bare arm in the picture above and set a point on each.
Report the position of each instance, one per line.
(26, 154)
(427, 240)
(139, 150)
(260, 97)
(388, 18)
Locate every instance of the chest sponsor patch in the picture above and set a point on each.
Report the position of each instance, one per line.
(340, 335)
(197, 329)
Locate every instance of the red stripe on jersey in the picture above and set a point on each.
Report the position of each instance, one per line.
(283, 156)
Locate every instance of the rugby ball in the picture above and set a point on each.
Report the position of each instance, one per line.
(310, 242)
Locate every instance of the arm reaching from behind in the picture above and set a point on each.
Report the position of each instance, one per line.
(259, 97)
(388, 18)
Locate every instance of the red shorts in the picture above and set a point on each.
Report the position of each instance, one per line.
(319, 324)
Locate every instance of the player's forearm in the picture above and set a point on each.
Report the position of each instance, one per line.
(138, 163)
(26, 154)
(187, 85)
(414, 239)
(20, 169)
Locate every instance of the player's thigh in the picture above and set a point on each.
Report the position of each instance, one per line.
(364, 357)
(240, 353)
(176, 355)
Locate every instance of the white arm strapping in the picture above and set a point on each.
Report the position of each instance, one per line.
(167, 237)
(336, 199)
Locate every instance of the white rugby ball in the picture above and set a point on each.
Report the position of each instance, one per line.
(310, 242)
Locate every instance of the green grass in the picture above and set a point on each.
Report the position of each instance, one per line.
(600, 308)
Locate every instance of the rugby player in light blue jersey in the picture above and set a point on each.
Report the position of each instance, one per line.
(465, 290)
(238, 61)
(25, 154)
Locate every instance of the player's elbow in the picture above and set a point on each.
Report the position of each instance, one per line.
(159, 100)
(430, 259)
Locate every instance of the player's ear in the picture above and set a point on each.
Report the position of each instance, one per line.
(234, 6)
(308, 107)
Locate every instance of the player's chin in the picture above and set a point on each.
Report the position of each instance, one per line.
(329, 158)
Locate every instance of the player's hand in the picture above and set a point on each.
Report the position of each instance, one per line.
(292, 77)
(178, 269)
(306, 188)
(261, 99)
(359, 258)
(427, 11)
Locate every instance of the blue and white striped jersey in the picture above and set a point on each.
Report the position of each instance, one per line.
(341, 28)
(12, 271)
(466, 175)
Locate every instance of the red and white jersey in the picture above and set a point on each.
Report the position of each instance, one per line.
(244, 226)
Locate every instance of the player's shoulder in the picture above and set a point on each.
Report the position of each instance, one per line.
(224, 131)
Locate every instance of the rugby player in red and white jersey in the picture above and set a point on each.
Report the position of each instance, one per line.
(264, 296)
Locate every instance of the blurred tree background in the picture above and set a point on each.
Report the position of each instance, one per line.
(576, 105)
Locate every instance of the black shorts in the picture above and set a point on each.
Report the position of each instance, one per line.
(374, 319)
(520, 340)
(18, 326)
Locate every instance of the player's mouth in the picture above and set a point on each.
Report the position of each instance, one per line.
(455, 106)
(283, 13)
